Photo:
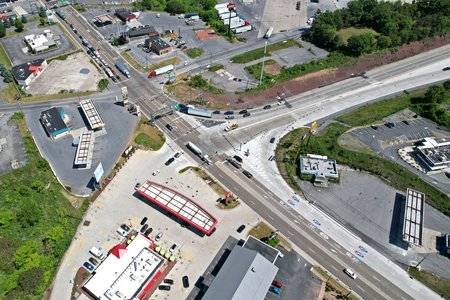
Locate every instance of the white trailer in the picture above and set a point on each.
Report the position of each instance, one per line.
(268, 32)
(223, 10)
(221, 5)
(160, 71)
(227, 15)
(242, 29)
(235, 22)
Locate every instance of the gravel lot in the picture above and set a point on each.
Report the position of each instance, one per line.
(11, 146)
(13, 45)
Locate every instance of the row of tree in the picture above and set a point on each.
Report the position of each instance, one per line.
(433, 104)
(396, 23)
(18, 23)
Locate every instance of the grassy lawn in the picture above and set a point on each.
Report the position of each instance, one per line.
(4, 59)
(327, 144)
(259, 53)
(255, 70)
(262, 230)
(215, 68)
(194, 52)
(346, 33)
(149, 136)
(37, 224)
(437, 284)
(14, 32)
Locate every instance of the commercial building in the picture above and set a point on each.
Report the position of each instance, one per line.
(246, 274)
(433, 154)
(124, 14)
(127, 272)
(27, 72)
(142, 30)
(7, 13)
(40, 42)
(53, 122)
(158, 46)
(318, 166)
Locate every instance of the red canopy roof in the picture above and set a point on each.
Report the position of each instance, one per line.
(118, 250)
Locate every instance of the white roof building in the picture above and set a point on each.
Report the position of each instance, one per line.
(125, 272)
(40, 42)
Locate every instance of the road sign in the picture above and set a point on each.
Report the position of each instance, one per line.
(98, 173)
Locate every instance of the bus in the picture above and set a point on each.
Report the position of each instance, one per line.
(61, 14)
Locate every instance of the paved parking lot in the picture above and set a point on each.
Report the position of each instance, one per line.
(12, 151)
(118, 204)
(107, 148)
(13, 45)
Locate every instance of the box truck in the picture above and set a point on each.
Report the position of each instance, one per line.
(160, 71)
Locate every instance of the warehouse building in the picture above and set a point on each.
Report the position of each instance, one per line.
(40, 42)
(124, 14)
(25, 73)
(53, 122)
(159, 46)
(142, 31)
(246, 274)
(318, 166)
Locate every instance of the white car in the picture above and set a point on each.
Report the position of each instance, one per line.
(158, 236)
(156, 172)
(350, 273)
(121, 231)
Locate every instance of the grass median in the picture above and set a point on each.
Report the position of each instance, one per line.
(259, 53)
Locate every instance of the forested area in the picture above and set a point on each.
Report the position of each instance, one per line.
(394, 23)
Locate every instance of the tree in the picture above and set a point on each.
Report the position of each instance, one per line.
(384, 42)
(28, 213)
(176, 6)
(361, 43)
(436, 94)
(2, 30)
(30, 279)
(12, 22)
(42, 13)
(446, 85)
(55, 240)
(6, 23)
(24, 19)
(19, 25)
(42, 21)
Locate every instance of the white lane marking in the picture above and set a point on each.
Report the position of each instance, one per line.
(290, 233)
(332, 250)
(265, 197)
(270, 217)
(252, 202)
(220, 176)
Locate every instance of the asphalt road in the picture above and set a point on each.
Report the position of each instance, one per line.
(309, 105)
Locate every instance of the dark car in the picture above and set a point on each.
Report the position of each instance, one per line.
(178, 154)
(93, 261)
(446, 69)
(144, 228)
(185, 280)
(374, 127)
(229, 117)
(168, 126)
(216, 112)
(241, 228)
(392, 124)
(229, 112)
(277, 284)
(272, 140)
(88, 266)
(137, 185)
(164, 287)
(238, 158)
(246, 115)
(125, 227)
(169, 161)
(247, 173)
(388, 125)
(144, 220)
(148, 231)
(405, 122)
(267, 106)
(243, 112)
(168, 281)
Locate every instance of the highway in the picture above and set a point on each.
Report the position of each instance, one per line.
(380, 83)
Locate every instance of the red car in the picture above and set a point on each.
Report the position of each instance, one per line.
(277, 284)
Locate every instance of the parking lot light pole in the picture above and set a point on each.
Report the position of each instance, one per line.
(262, 67)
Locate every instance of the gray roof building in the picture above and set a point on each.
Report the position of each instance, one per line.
(53, 122)
(245, 275)
(142, 30)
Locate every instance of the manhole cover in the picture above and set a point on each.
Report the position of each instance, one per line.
(85, 71)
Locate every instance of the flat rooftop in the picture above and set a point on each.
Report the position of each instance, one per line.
(124, 273)
(319, 166)
(92, 115)
(83, 155)
(262, 248)
(179, 205)
(413, 222)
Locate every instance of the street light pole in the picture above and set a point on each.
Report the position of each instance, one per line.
(262, 67)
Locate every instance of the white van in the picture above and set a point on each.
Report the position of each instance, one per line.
(97, 253)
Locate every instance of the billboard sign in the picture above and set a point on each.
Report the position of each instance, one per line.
(98, 173)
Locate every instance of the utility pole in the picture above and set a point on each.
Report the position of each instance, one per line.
(262, 67)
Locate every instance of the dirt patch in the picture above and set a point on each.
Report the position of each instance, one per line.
(76, 74)
(272, 69)
(76, 202)
(206, 34)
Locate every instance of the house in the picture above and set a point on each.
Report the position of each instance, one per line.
(158, 46)
(7, 13)
(124, 14)
(27, 72)
(40, 42)
(53, 122)
(142, 30)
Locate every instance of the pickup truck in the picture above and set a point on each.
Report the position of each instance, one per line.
(231, 127)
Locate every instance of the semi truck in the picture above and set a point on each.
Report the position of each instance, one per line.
(222, 10)
(196, 150)
(227, 15)
(243, 29)
(122, 68)
(234, 22)
(268, 32)
(61, 14)
(160, 71)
